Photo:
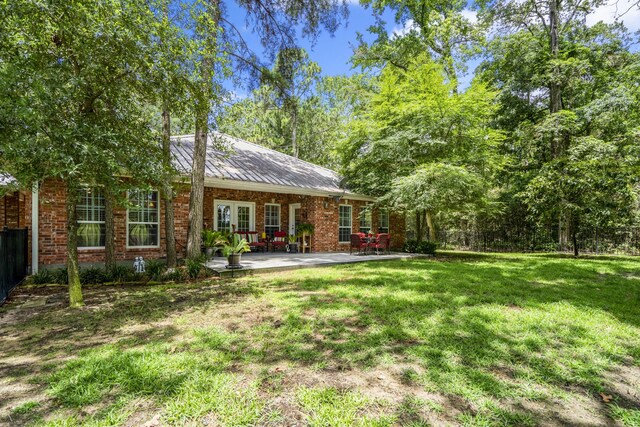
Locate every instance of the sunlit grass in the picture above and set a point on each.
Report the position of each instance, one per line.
(484, 332)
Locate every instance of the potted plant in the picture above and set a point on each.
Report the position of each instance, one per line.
(305, 229)
(293, 243)
(233, 248)
(212, 241)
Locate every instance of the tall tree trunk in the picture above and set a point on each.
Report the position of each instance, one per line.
(574, 236)
(418, 228)
(555, 90)
(73, 271)
(196, 196)
(203, 109)
(169, 222)
(109, 231)
(432, 229)
(294, 133)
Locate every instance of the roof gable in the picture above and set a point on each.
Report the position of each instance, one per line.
(250, 162)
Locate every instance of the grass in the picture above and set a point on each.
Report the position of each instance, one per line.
(466, 339)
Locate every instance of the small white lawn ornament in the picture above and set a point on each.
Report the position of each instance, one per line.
(138, 265)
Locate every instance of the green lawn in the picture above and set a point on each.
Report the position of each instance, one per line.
(464, 339)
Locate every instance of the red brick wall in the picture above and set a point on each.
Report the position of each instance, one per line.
(52, 217)
(52, 237)
(12, 210)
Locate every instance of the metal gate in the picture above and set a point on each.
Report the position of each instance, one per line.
(13, 259)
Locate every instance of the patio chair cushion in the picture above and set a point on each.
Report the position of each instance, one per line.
(280, 238)
(253, 238)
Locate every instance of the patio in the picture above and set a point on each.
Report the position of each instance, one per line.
(276, 261)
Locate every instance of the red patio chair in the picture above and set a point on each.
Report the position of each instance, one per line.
(254, 241)
(357, 242)
(382, 242)
(279, 240)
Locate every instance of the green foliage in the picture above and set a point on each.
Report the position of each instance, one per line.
(212, 239)
(120, 274)
(194, 267)
(305, 227)
(423, 247)
(155, 269)
(235, 245)
(42, 277)
(92, 276)
(60, 276)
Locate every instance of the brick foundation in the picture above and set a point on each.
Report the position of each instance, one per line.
(320, 211)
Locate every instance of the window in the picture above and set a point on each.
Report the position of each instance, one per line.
(383, 221)
(90, 211)
(365, 220)
(344, 224)
(229, 213)
(223, 217)
(143, 219)
(271, 219)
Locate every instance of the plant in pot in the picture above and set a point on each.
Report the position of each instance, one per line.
(305, 229)
(293, 243)
(233, 248)
(212, 241)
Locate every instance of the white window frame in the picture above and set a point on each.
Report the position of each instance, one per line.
(148, 223)
(350, 227)
(365, 211)
(81, 248)
(381, 213)
(234, 204)
(279, 216)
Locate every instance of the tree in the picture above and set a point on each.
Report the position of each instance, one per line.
(592, 187)
(413, 120)
(216, 40)
(293, 79)
(436, 188)
(72, 79)
(434, 26)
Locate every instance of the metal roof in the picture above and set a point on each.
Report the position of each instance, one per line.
(241, 160)
(6, 179)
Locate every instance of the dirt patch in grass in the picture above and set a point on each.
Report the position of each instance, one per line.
(405, 343)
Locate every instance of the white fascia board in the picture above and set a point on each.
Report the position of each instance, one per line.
(273, 188)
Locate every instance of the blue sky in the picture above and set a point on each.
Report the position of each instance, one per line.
(332, 52)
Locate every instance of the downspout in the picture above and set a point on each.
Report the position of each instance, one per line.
(34, 229)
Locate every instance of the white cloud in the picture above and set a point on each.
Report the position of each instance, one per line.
(471, 15)
(612, 11)
(403, 31)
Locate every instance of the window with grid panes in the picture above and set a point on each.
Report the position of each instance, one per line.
(365, 220)
(90, 212)
(143, 218)
(344, 224)
(271, 219)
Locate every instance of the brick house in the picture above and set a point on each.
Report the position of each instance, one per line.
(246, 185)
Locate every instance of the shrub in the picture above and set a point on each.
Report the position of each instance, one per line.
(154, 269)
(424, 247)
(92, 275)
(175, 275)
(61, 276)
(194, 267)
(120, 273)
(42, 277)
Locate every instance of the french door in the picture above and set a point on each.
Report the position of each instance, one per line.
(228, 213)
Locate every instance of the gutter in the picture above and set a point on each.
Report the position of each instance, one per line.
(273, 188)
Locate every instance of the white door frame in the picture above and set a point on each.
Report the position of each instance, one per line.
(234, 204)
(292, 216)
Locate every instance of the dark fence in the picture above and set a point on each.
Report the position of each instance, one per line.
(622, 240)
(13, 259)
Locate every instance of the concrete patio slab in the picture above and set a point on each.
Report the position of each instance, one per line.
(255, 262)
